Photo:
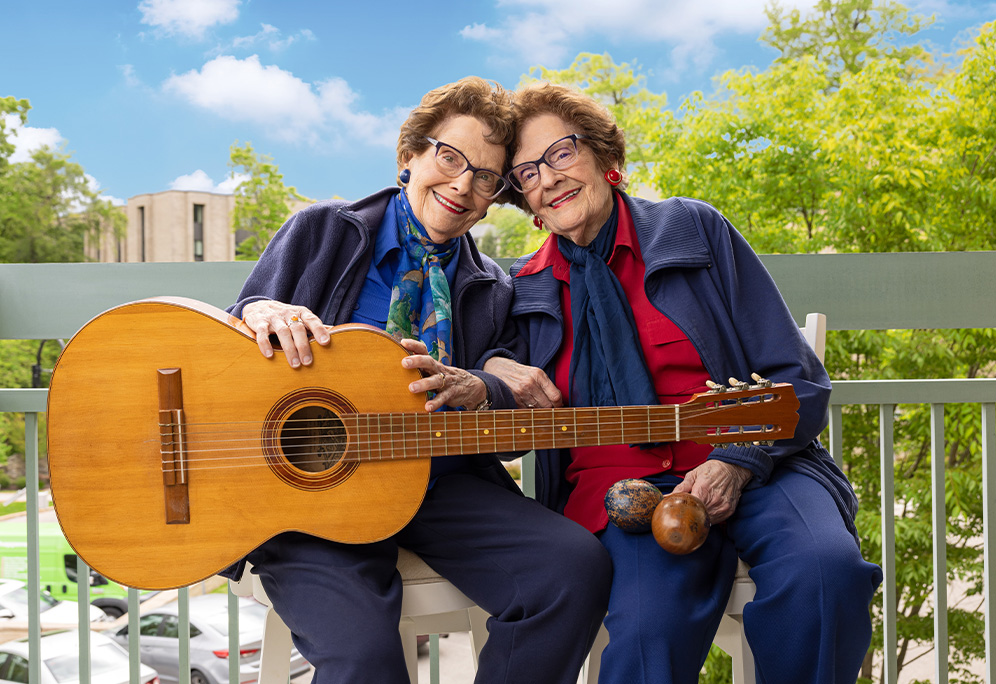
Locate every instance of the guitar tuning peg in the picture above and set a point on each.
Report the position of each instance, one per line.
(759, 381)
(715, 387)
(738, 385)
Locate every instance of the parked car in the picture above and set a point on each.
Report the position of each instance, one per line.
(159, 644)
(14, 597)
(60, 657)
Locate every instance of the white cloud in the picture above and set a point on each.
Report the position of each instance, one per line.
(94, 186)
(189, 18)
(548, 32)
(281, 103)
(131, 79)
(199, 181)
(228, 186)
(268, 36)
(28, 139)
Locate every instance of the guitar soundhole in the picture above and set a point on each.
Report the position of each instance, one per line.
(313, 439)
(305, 441)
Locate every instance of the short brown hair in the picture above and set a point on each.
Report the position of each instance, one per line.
(581, 112)
(486, 101)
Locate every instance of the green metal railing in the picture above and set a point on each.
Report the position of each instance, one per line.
(860, 291)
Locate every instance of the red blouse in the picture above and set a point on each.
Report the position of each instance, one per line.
(674, 365)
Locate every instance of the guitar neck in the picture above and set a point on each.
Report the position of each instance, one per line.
(388, 436)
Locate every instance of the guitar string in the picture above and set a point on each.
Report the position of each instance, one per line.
(360, 454)
(431, 422)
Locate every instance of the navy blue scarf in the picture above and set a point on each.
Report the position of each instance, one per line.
(607, 364)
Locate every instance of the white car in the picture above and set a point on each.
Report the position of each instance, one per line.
(14, 597)
(159, 643)
(60, 655)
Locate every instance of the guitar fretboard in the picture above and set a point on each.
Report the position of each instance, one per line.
(387, 436)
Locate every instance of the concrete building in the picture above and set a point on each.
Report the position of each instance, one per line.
(175, 225)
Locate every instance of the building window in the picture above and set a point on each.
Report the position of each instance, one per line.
(141, 229)
(198, 232)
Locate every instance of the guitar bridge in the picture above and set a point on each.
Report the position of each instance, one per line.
(173, 446)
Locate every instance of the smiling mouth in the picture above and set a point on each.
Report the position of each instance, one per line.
(455, 208)
(565, 197)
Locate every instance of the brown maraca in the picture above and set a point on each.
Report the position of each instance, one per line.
(680, 523)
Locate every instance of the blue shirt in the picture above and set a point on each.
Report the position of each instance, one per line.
(375, 300)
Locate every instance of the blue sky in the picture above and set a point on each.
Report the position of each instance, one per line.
(149, 95)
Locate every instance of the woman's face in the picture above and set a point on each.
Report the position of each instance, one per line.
(449, 207)
(574, 202)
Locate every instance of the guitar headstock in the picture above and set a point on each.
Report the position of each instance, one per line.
(742, 413)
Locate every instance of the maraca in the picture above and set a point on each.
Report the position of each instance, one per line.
(679, 521)
(631, 503)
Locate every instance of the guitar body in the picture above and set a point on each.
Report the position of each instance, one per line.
(117, 379)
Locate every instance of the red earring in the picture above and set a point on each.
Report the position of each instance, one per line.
(613, 177)
(538, 222)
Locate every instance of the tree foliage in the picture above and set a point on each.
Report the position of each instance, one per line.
(851, 141)
(511, 234)
(261, 200)
(48, 208)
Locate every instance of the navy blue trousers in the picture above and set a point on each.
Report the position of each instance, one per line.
(544, 579)
(809, 621)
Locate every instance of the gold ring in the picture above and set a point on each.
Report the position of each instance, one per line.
(442, 380)
(294, 319)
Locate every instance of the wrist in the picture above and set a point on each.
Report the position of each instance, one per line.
(486, 402)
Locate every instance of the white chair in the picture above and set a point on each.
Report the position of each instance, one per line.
(730, 636)
(429, 605)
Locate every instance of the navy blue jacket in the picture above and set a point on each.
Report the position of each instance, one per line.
(702, 275)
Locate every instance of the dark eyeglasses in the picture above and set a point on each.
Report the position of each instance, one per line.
(453, 163)
(560, 155)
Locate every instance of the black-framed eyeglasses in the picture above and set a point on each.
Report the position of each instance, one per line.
(453, 163)
(560, 155)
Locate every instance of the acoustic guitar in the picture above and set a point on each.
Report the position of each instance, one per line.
(175, 447)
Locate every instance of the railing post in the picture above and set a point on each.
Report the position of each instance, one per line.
(940, 540)
(34, 558)
(134, 637)
(83, 606)
(989, 533)
(887, 457)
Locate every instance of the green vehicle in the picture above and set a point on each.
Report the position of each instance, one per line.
(58, 567)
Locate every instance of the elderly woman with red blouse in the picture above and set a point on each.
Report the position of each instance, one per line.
(633, 302)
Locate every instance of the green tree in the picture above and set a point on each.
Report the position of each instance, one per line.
(261, 200)
(48, 210)
(511, 234)
(844, 35)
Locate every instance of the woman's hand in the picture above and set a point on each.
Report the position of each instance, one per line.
(530, 385)
(291, 324)
(453, 386)
(718, 485)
